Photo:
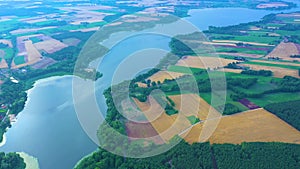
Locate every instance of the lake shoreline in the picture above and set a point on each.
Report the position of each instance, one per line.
(3, 142)
(83, 158)
(30, 161)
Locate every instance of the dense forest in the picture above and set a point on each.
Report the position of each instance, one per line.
(14, 95)
(11, 161)
(205, 156)
(287, 111)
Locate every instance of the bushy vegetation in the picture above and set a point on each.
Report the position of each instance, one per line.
(11, 161)
(69, 53)
(14, 95)
(257, 72)
(290, 27)
(230, 109)
(193, 119)
(181, 156)
(289, 84)
(179, 48)
(295, 56)
(83, 36)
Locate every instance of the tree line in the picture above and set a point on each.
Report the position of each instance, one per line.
(204, 156)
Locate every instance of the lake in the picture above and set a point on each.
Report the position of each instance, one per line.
(48, 127)
(203, 18)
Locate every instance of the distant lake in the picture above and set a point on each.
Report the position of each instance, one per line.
(48, 127)
(203, 18)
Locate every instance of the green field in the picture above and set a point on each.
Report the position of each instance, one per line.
(83, 26)
(258, 39)
(240, 50)
(181, 69)
(274, 65)
(9, 25)
(193, 119)
(9, 53)
(275, 98)
(218, 101)
(41, 24)
(18, 60)
(2, 111)
(35, 40)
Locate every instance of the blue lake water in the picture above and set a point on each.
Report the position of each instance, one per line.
(204, 18)
(48, 127)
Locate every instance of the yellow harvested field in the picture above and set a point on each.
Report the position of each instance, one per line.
(33, 56)
(240, 54)
(251, 126)
(192, 135)
(162, 75)
(277, 71)
(192, 105)
(204, 62)
(6, 42)
(271, 5)
(167, 126)
(141, 84)
(284, 51)
(235, 41)
(50, 46)
(254, 126)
